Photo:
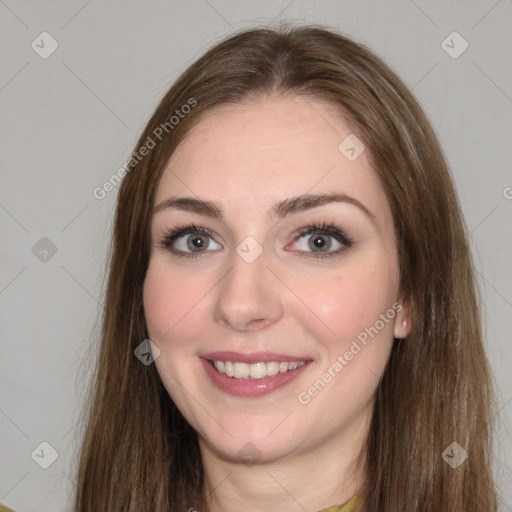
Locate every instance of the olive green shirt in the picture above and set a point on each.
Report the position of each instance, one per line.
(354, 505)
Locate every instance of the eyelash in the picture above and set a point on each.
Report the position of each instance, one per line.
(322, 228)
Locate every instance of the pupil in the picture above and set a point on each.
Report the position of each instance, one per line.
(196, 242)
(319, 242)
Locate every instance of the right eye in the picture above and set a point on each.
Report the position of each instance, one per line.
(189, 241)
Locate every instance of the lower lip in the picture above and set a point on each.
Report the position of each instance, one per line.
(251, 387)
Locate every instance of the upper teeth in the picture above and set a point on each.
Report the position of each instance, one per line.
(256, 370)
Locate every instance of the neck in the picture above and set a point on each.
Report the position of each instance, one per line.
(328, 475)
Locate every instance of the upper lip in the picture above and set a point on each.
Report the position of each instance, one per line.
(254, 357)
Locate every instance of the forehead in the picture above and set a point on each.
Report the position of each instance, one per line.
(252, 155)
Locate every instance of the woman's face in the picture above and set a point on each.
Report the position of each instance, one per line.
(255, 289)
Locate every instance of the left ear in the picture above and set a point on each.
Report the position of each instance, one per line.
(403, 318)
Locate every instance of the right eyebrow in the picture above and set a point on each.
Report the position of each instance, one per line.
(190, 204)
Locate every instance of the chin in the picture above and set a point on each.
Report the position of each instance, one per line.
(251, 449)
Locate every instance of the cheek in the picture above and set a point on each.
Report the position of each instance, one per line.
(357, 344)
(170, 302)
(351, 304)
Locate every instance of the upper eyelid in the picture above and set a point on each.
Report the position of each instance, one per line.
(187, 230)
(301, 231)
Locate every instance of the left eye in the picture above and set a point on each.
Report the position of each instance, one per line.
(318, 242)
(322, 241)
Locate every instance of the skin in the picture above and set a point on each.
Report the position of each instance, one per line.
(247, 158)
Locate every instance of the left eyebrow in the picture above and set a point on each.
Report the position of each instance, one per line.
(308, 201)
(282, 209)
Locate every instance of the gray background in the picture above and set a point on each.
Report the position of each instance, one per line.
(69, 121)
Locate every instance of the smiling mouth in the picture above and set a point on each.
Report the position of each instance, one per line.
(255, 371)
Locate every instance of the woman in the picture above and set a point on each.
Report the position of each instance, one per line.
(291, 320)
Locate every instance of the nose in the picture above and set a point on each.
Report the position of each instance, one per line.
(249, 296)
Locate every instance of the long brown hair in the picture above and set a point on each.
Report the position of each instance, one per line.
(139, 453)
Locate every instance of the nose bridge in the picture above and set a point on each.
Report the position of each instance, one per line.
(246, 295)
